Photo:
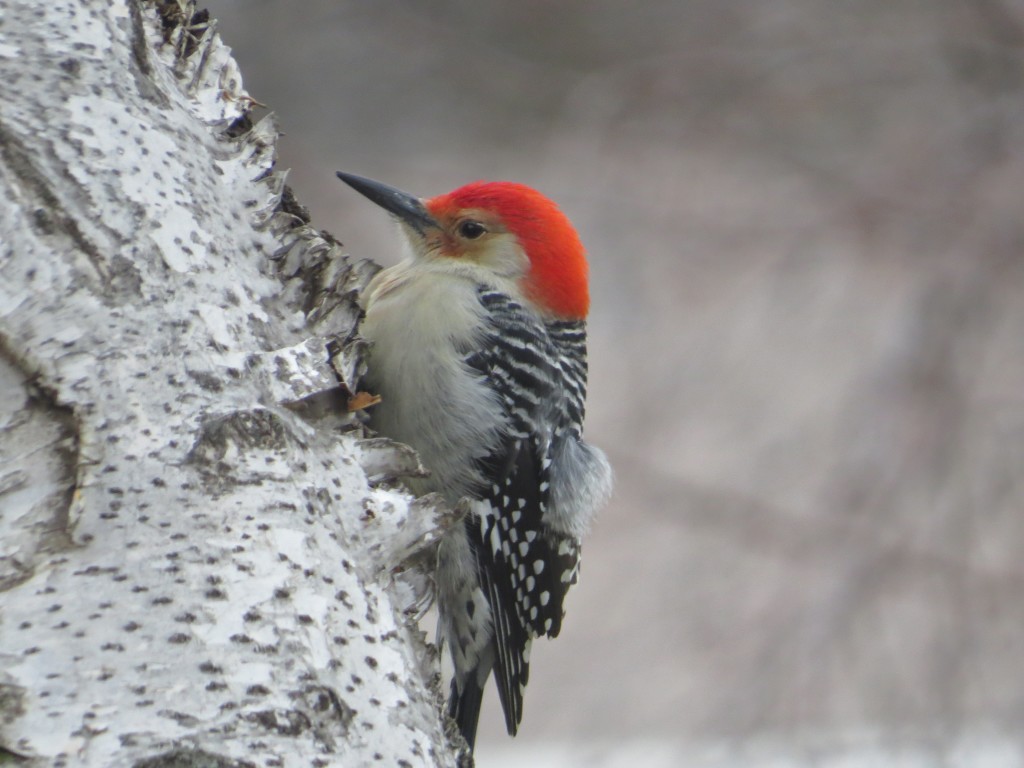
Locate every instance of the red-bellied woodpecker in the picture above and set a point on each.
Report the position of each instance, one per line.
(479, 354)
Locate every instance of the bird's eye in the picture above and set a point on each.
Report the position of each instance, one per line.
(471, 230)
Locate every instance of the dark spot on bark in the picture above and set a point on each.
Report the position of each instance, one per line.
(290, 205)
(206, 381)
(240, 126)
(190, 758)
(282, 722)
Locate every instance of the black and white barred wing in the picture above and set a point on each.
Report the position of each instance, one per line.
(525, 566)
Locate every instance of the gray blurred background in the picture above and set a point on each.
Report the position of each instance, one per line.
(806, 229)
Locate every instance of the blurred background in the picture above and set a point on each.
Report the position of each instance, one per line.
(806, 230)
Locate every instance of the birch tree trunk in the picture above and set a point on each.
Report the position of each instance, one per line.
(198, 563)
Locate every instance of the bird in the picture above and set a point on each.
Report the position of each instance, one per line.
(477, 349)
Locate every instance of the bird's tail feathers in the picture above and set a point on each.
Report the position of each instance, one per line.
(464, 708)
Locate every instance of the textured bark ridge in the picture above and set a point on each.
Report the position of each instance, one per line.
(196, 568)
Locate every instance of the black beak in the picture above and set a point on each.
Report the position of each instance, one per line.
(403, 205)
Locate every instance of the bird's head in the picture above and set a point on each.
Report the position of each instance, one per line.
(508, 229)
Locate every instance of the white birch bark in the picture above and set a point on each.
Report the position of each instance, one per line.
(197, 563)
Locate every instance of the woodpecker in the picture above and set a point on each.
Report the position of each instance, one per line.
(478, 351)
